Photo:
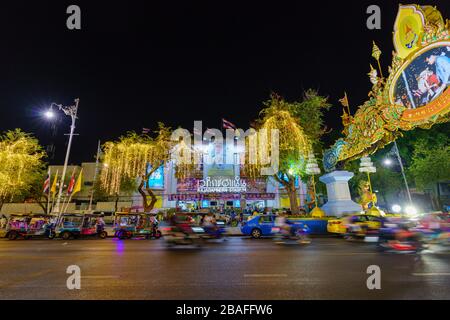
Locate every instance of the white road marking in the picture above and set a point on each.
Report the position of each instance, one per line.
(264, 275)
(100, 277)
(425, 274)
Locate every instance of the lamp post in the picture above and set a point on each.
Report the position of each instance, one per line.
(395, 151)
(72, 112)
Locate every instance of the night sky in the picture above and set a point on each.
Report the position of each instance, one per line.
(134, 63)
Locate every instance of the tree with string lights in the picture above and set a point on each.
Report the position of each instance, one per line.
(300, 126)
(21, 159)
(136, 157)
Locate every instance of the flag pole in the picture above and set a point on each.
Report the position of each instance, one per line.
(53, 193)
(348, 104)
(67, 204)
(48, 195)
(95, 176)
(379, 67)
(70, 196)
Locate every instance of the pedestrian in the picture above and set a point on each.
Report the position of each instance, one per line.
(3, 222)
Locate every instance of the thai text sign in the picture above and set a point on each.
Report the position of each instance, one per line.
(209, 185)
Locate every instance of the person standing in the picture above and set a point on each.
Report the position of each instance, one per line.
(3, 222)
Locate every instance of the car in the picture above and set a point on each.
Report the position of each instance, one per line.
(259, 226)
(361, 225)
(355, 223)
(336, 226)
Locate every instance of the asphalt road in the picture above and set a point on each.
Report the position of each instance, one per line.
(240, 268)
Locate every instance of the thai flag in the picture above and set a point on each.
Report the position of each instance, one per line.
(47, 183)
(228, 125)
(71, 183)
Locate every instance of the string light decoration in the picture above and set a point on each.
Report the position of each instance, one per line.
(20, 158)
(293, 143)
(293, 147)
(132, 154)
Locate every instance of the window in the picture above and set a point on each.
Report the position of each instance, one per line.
(265, 219)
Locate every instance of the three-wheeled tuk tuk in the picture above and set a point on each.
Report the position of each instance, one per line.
(136, 224)
(72, 225)
(27, 226)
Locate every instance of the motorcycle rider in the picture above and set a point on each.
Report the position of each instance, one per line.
(209, 223)
(154, 224)
(283, 225)
(100, 224)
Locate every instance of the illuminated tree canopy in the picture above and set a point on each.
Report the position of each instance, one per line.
(21, 157)
(136, 156)
(300, 127)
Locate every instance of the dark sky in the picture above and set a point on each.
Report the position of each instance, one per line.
(138, 62)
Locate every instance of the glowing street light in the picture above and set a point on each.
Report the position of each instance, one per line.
(396, 208)
(387, 162)
(72, 112)
(49, 114)
(411, 211)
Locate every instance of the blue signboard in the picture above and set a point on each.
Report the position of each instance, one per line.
(156, 180)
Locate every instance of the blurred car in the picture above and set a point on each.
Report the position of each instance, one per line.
(356, 224)
(259, 226)
(264, 226)
(336, 226)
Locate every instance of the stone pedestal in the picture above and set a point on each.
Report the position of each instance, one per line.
(339, 199)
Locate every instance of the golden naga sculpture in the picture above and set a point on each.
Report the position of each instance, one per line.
(415, 93)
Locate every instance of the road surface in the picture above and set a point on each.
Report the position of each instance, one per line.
(240, 268)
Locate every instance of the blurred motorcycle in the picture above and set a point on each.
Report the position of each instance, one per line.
(293, 234)
(400, 239)
(215, 232)
(185, 235)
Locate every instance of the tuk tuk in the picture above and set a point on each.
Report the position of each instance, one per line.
(27, 226)
(73, 225)
(136, 224)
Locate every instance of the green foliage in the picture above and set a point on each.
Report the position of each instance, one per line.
(430, 163)
(425, 155)
(309, 113)
(301, 127)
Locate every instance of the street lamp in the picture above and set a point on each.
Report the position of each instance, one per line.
(399, 159)
(49, 114)
(72, 112)
(396, 208)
